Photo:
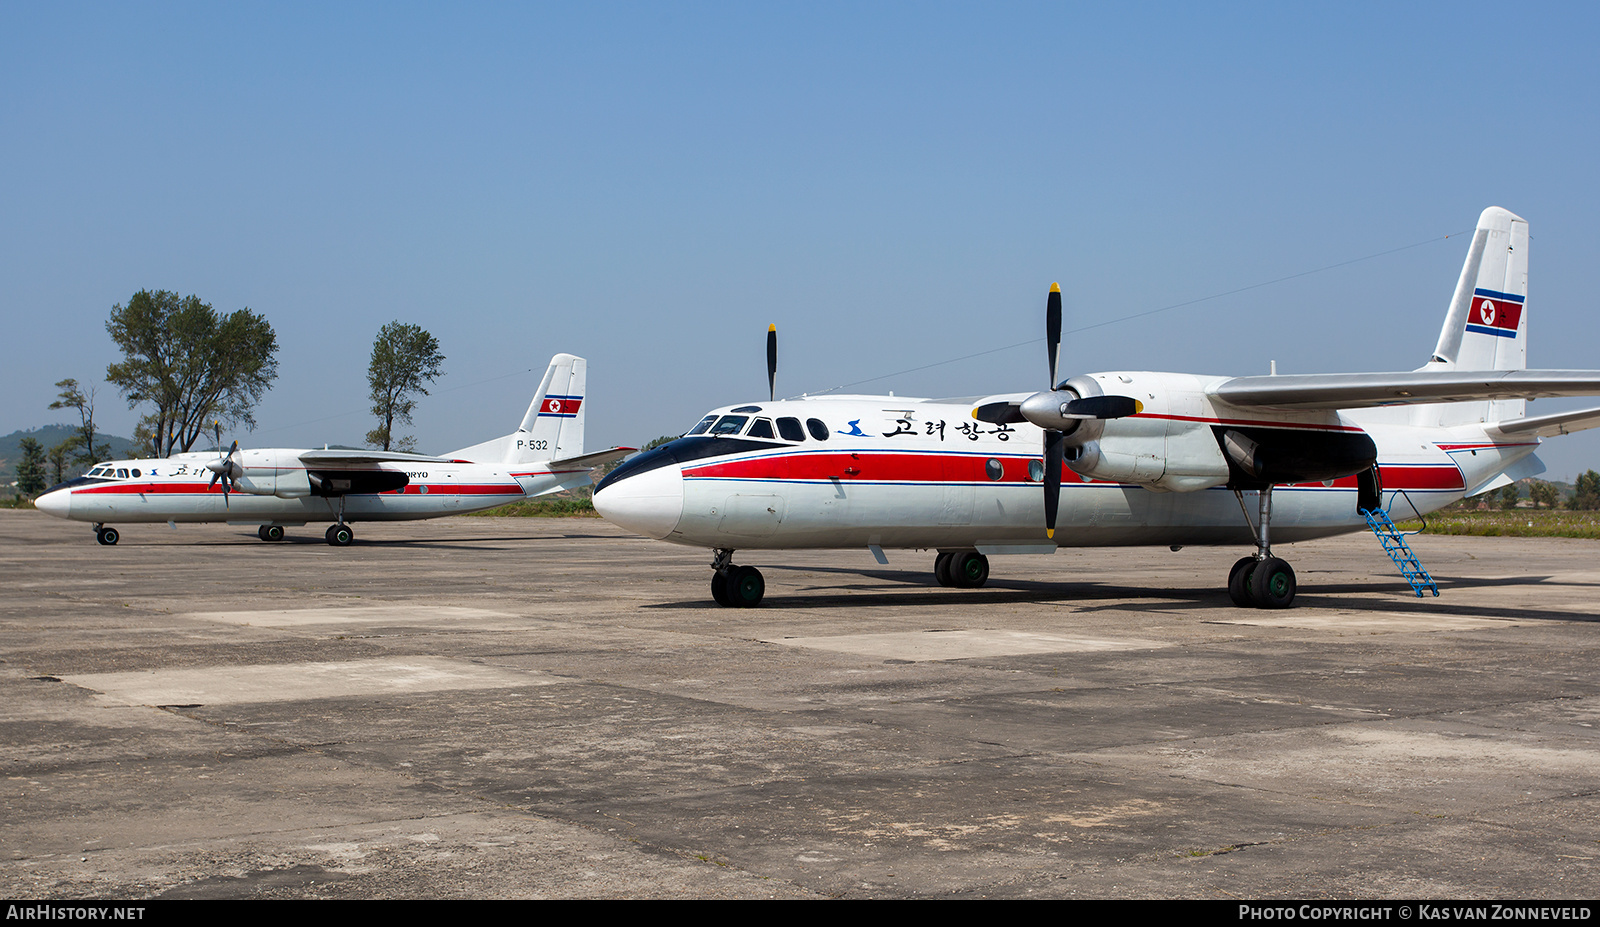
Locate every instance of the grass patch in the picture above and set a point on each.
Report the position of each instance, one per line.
(543, 508)
(16, 502)
(1516, 523)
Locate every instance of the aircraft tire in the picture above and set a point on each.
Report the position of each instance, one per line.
(746, 586)
(270, 532)
(107, 536)
(719, 590)
(1272, 584)
(1239, 582)
(969, 569)
(340, 535)
(941, 569)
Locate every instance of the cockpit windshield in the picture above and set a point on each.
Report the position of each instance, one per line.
(729, 424)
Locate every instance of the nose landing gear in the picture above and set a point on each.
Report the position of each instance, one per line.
(735, 586)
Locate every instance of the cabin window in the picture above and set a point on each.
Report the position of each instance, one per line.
(1036, 470)
(762, 428)
(790, 429)
(729, 424)
(705, 423)
(817, 428)
(994, 468)
(135, 474)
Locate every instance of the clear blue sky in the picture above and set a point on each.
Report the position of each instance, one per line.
(650, 185)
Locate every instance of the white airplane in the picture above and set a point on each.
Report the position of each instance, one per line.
(275, 488)
(1121, 458)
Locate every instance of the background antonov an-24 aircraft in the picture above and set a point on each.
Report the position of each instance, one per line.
(277, 487)
(1120, 458)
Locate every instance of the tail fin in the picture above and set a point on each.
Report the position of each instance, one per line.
(1486, 327)
(553, 425)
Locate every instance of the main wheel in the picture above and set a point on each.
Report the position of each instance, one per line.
(1239, 582)
(719, 590)
(340, 535)
(1272, 584)
(941, 569)
(969, 569)
(746, 586)
(107, 536)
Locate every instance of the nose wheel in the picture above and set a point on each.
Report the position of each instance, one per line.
(964, 569)
(270, 532)
(106, 535)
(735, 586)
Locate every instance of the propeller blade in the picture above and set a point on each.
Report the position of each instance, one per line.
(1052, 329)
(1054, 457)
(772, 362)
(996, 413)
(1102, 407)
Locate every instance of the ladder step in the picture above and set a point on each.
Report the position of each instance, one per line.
(1394, 544)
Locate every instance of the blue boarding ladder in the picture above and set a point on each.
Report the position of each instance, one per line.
(1394, 544)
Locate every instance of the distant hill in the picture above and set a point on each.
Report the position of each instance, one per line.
(49, 436)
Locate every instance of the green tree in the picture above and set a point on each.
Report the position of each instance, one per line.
(1508, 496)
(1544, 495)
(405, 358)
(60, 457)
(30, 469)
(72, 396)
(1586, 495)
(192, 364)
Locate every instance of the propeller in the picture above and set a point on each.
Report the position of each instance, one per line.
(772, 363)
(1057, 410)
(227, 469)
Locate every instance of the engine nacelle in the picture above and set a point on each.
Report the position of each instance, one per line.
(1167, 447)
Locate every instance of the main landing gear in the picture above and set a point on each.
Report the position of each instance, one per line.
(1261, 581)
(106, 535)
(965, 569)
(270, 532)
(735, 586)
(340, 535)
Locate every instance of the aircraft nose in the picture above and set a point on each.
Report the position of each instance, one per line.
(649, 503)
(55, 503)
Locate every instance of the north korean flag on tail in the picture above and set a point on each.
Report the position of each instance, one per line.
(1494, 313)
(560, 406)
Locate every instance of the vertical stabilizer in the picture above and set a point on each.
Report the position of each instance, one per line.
(553, 427)
(1486, 327)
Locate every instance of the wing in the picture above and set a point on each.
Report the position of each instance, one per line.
(335, 457)
(1365, 390)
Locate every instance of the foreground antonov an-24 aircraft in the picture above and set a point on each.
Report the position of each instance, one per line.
(1118, 459)
(277, 487)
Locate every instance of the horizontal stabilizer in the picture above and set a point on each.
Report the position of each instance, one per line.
(1548, 426)
(596, 459)
(1365, 390)
(341, 456)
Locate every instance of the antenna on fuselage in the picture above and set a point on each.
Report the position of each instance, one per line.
(772, 363)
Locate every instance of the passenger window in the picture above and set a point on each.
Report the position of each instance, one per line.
(817, 429)
(994, 468)
(762, 428)
(135, 474)
(790, 429)
(704, 424)
(730, 424)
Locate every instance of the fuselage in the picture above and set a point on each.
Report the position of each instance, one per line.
(278, 488)
(895, 472)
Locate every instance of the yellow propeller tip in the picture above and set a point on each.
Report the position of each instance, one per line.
(1050, 533)
(1137, 407)
(772, 328)
(1055, 287)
